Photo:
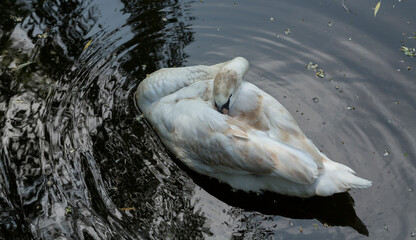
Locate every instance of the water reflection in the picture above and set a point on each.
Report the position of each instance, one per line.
(75, 164)
(67, 116)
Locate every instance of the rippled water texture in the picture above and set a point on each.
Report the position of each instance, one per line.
(75, 164)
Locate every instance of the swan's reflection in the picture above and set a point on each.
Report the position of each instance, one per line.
(335, 210)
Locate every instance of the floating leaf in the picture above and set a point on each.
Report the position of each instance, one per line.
(18, 101)
(316, 226)
(21, 66)
(87, 45)
(16, 19)
(409, 68)
(128, 209)
(68, 210)
(377, 8)
(320, 73)
(43, 35)
(300, 229)
(411, 52)
(139, 118)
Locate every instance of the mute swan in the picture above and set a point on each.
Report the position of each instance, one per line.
(221, 126)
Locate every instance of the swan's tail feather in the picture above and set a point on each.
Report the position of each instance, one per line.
(339, 179)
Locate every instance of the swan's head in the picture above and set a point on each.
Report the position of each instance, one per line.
(227, 83)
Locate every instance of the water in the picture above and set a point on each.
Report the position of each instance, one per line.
(76, 165)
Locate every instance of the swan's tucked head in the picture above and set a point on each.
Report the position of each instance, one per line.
(227, 83)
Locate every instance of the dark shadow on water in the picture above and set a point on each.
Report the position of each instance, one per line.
(335, 210)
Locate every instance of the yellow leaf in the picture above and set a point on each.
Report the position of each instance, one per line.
(128, 209)
(377, 8)
(87, 45)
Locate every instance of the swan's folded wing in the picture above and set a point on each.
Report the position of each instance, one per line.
(274, 119)
(210, 144)
(264, 156)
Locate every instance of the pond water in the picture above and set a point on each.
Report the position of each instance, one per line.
(75, 164)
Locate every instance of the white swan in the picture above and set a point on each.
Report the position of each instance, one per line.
(250, 142)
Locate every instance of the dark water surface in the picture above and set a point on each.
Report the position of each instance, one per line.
(75, 164)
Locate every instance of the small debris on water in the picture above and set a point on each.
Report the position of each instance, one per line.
(386, 228)
(291, 223)
(16, 19)
(377, 8)
(88, 44)
(43, 35)
(68, 210)
(139, 118)
(396, 102)
(330, 24)
(17, 68)
(386, 153)
(316, 226)
(315, 99)
(287, 32)
(128, 209)
(300, 229)
(320, 73)
(312, 65)
(410, 52)
(272, 19)
(350, 108)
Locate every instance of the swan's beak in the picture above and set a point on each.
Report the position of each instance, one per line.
(223, 110)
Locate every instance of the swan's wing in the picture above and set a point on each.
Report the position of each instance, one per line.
(266, 114)
(210, 142)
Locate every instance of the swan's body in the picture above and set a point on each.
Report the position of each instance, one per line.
(256, 146)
